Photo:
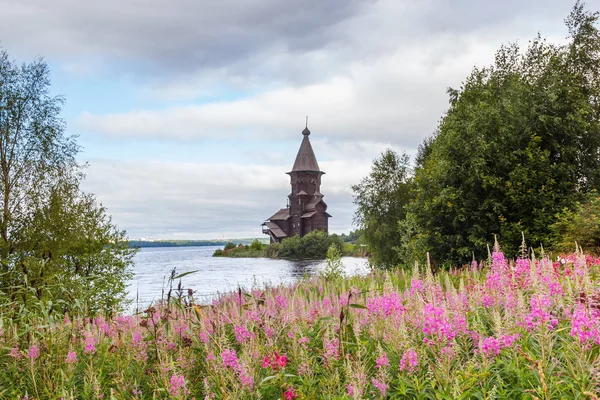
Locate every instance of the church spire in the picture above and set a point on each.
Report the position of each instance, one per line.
(306, 160)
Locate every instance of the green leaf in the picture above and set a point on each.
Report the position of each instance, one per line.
(184, 274)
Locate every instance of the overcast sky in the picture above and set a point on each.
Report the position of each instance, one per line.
(190, 111)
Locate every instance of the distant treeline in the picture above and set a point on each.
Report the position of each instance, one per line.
(186, 243)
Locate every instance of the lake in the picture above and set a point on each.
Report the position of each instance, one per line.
(216, 275)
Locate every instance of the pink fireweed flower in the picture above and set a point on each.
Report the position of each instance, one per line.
(90, 344)
(71, 357)
(490, 346)
(242, 334)
(178, 386)
(303, 341)
(416, 285)
(508, 340)
(15, 353)
(275, 361)
(385, 306)
(584, 327)
(331, 348)
(381, 386)
(409, 361)
(246, 380)
(437, 324)
(382, 361)
(281, 302)
(230, 360)
(289, 394)
(539, 315)
(33, 352)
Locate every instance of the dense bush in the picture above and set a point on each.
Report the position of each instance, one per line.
(229, 246)
(580, 226)
(311, 246)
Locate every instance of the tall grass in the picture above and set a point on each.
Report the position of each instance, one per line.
(522, 329)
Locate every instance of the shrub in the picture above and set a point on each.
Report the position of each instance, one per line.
(256, 245)
(229, 246)
(580, 225)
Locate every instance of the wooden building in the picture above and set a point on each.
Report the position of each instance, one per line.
(306, 211)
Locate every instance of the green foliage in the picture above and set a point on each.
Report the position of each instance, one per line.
(311, 246)
(59, 251)
(519, 143)
(256, 245)
(333, 268)
(580, 226)
(380, 199)
(229, 246)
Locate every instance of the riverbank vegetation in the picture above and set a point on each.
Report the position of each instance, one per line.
(312, 246)
(497, 329)
(516, 153)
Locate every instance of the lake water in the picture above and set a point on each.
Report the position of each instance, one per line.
(216, 275)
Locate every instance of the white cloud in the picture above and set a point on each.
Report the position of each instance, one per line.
(194, 200)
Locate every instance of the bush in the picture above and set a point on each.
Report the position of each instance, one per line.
(311, 246)
(334, 267)
(229, 246)
(256, 245)
(580, 225)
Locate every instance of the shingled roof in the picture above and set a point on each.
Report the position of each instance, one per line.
(306, 160)
(280, 215)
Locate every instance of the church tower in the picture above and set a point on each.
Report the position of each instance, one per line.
(306, 209)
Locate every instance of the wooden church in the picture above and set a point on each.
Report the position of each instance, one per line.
(306, 211)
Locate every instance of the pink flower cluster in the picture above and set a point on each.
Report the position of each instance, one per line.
(275, 361)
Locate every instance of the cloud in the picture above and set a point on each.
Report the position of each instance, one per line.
(195, 200)
(176, 36)
(388, 100)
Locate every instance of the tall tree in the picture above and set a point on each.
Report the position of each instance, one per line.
(519, 143)
(380, 200)
(54, 239)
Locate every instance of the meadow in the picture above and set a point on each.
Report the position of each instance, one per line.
(527, 328)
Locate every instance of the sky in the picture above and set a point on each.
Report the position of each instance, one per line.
(189, 112)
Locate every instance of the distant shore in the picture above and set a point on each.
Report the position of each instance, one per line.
(187, 243)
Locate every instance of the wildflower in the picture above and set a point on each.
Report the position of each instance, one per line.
(242, 334)
(178, 386)
(33, 352)
(382, 361)
(437, 324)
(303, 341)
(539, 315)
(381, 386)
(281, 302)
(490, 346)
(15, 353)
(508, 340)
(351, 390)
(289, 394)
(385, 306)
(583, 326)
(246, 380)
(276, 361)
(230, 360)
(90, 344)
(409, 361)
(331, 348)
(71, 357)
